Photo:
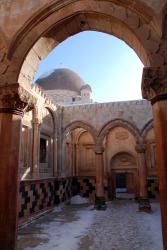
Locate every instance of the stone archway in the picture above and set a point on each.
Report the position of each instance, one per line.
(146, 128)
(118, 123)
(80, 124)
(119, 136)
(123, 164)
(72, 127)
(57, 21)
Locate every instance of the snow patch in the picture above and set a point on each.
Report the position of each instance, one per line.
(77, 199)
(66, 236)
(58, 209)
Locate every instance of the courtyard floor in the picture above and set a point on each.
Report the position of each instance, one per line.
(80, 227)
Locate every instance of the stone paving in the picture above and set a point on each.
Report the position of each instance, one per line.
(80, 227)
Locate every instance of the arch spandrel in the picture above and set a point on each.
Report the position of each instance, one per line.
(118, 123)
(136, 28)
(79, 124)
(4, 63)
(147, 127)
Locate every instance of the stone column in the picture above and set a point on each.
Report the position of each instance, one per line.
(36, 144)
(77, 159)
(55, 170)
(60, 138)
(100, 198)
(13, 102)
(144, 204)
(74, 160)
(154, 88)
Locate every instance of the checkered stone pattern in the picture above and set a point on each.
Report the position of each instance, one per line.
(85, 186)
(36, 196)
(62, 190)
(153, 188)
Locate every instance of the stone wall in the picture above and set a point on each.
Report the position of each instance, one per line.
(62, 96)
(97, 115)
(33, 29)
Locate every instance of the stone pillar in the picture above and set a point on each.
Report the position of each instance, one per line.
(100, 198)
(55, 154)
(74, 160)
(13, 102)
(144, 204)
(60, 142)
(36, 144)
(154, 88)
(77, 159)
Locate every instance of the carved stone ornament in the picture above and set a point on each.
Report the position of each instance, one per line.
(154, 84)
(122, 135)
(16, 100)
(99, 149)
(140, 148)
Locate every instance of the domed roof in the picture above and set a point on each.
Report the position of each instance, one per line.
(63, 79)
(87, 87)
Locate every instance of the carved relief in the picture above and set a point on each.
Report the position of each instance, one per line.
(154, 82)
(123, 135)
(15, 99)
(123, 160)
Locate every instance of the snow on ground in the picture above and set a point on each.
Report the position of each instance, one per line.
(120, 227)
(66, 236)
(62, 231)
(77, 200)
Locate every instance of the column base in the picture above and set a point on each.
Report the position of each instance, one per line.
(100, 203)
(144, 205)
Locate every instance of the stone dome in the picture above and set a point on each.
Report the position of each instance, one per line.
(62, 79)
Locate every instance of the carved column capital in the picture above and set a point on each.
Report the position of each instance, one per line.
(140, 148)
(16, 100)
(154, 84)
(99, 149)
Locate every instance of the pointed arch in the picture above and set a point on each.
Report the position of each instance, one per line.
(56, 22)
(80, 124)
(118, 123)
(147, 127)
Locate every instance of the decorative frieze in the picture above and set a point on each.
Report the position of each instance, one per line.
(154, 84)
(16, 100)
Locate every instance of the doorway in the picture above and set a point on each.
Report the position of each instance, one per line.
(121, 183)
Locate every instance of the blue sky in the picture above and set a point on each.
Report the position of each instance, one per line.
(110, 66)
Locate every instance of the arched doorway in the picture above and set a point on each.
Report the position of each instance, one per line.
(79, 158)
(123, 176)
